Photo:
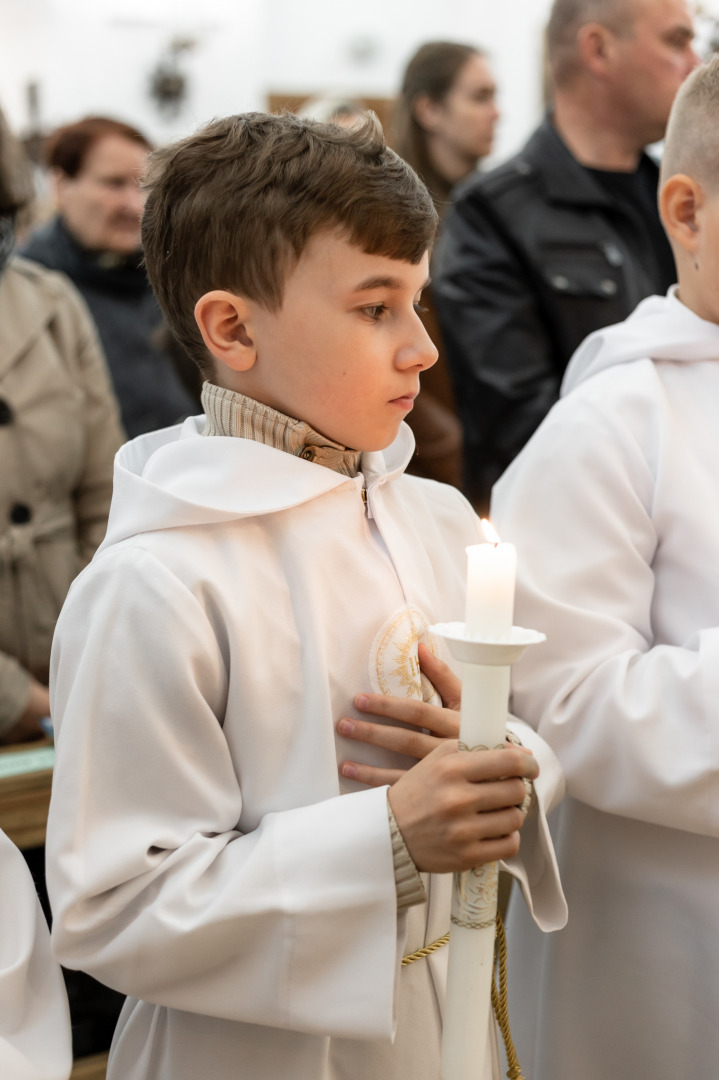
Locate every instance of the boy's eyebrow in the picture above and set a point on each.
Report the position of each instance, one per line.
(384, 283)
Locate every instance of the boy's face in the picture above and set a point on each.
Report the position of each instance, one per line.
(345, 350)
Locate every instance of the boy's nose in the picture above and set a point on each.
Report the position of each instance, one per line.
(428, 350)
(422, 352)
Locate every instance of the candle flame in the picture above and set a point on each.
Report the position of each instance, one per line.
(490, 533)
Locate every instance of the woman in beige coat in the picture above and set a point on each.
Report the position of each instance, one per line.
(59, 430)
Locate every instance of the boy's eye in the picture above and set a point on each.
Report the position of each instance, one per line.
(376, 311)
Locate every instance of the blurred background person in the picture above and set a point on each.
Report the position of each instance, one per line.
(446, 114)
(96, 167)
(59, 430)
(565, 237)
(443, 125)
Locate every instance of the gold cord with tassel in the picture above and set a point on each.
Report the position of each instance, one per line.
(499, 1000)
(499, 990)
(426, 951)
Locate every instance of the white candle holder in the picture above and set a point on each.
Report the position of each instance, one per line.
(483, 718)
(496, 652)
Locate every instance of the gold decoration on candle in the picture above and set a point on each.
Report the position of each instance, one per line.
(463, 746)
(475, 897)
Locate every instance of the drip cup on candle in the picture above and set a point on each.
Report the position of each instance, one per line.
(492, 652)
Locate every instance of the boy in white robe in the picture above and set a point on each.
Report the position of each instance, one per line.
(263, 564)
(34, 1018)
(615, 507)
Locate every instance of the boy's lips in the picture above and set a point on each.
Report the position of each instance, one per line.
(406, 401)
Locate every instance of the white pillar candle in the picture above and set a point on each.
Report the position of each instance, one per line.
(491, 574)
(466, 1053)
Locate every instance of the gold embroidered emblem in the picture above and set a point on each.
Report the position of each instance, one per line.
(394, 666)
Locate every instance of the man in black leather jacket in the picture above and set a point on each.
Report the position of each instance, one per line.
(565, 237)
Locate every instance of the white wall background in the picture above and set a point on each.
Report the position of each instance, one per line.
(97, 55)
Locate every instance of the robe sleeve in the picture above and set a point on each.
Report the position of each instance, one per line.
(34, 1018)
(155, 890)
(633, 721)
(535, 865)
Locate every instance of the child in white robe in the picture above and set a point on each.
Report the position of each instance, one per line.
(615, 506)
(264, 564)
(34, 1019)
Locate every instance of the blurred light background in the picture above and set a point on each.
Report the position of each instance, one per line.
(62, 59)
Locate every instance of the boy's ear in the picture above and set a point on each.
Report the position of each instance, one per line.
(680, 201)
(224, 320)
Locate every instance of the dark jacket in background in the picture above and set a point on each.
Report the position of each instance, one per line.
(533, 256)
(433, 420)
(119, 296)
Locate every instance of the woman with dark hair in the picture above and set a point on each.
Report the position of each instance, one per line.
(443, 124)
(59, 430)
(445, 115)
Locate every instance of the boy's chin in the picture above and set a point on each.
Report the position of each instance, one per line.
(375, 446)
(381, 441)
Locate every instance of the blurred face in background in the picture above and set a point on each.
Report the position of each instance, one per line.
(651, 63)
(462, 124)
(103, 204)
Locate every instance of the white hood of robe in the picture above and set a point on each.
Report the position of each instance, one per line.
(162, 479)
(662, 328)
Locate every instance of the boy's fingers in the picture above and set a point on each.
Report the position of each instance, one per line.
(495, 850)
(442, 678)
(482, 765)
(442, 722)
(499, 796)
(370, 774)
(407, 741)
(496, 823)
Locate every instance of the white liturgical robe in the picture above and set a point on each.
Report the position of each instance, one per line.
(614, 505)
(205, 857)
(34, 1019)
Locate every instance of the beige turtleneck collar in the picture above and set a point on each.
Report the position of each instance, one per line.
(229, 413)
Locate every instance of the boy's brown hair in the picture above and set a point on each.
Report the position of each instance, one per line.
(235, 205)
